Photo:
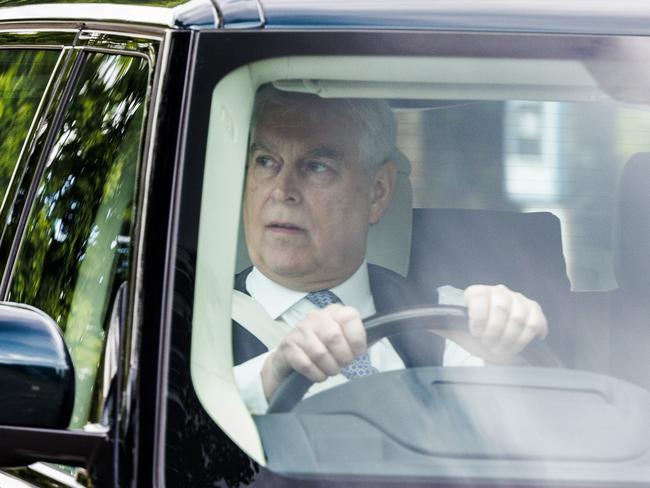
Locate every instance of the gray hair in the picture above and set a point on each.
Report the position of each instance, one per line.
(373, 118)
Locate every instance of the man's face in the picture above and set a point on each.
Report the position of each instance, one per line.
(308, 202)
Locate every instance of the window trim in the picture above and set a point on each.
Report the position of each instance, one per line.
(239, 49)
(80, 447)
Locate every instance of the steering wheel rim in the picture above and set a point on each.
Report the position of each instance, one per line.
(400, 321)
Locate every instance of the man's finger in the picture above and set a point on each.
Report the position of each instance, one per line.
(330, 334)
(352, 327)
(535, 325)
(301, 362)
(477, 299)
(516, 322)
(320, 355)
(335, 341)
(522, 341)
(537, 320)
(498, 315)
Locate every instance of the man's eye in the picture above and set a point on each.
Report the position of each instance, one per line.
(317, 167)
(264, 162)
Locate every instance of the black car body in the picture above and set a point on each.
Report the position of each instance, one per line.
(124, 130)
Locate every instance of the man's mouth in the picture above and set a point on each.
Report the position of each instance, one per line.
(284, 228)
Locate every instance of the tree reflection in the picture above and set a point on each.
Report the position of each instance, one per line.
(23, 79)
(73, 256)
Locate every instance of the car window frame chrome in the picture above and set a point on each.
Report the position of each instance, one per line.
(192, 14)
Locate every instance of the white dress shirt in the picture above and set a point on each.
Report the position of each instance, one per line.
(291, 306)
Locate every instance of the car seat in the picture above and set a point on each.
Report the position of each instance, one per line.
(613, 328)
(523, 251)
(630, 321)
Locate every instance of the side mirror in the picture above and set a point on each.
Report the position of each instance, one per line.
(37, 381)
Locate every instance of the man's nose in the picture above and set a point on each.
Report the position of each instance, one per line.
(286, 187)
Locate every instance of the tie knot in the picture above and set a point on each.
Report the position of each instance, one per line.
(322, 298)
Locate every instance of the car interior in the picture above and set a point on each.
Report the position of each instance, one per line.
(443, 229)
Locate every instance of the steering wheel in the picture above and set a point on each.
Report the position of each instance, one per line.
(443, 320)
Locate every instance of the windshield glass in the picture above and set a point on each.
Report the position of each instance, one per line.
(452, 252)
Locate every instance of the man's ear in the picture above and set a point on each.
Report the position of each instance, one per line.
(383, 184)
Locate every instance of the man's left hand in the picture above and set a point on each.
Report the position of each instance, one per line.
(502, 320)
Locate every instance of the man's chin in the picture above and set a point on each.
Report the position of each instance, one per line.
(287, 270)
(291, 273)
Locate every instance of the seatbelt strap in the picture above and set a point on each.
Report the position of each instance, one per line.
(248, 313)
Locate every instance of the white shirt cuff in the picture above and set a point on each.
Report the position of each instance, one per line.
(454, 354)
(248, 376)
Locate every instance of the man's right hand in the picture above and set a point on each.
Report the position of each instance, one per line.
(323, 343)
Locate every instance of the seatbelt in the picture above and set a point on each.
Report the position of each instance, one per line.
(248, 313)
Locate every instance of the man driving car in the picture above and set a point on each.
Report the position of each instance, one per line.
(320, 173)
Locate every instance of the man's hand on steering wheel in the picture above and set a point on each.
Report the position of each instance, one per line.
(322, 344)
(503, 321)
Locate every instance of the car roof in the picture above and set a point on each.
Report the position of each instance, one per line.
(567, 16)
(553, 16)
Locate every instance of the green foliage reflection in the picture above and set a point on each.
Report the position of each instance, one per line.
(76, 247)
(23, 79)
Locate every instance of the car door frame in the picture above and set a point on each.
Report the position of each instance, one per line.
(236, 49)
(125, 450)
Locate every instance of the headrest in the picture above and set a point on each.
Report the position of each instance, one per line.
(462, 247)
(632, 225)
(389, 240)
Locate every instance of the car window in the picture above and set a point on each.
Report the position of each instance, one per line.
(24, 76)
(76, 247)
(528, 173)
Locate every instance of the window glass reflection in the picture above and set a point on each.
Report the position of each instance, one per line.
(75, 252)
(23, 78)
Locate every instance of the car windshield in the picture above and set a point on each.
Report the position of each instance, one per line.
(389, 186)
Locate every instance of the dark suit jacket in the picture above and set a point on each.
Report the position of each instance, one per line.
(389, 291)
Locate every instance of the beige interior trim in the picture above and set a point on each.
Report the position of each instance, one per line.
(432, 78)
(211, 359)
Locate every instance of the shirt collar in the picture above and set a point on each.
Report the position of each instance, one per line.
(356, 289)
(277, 299)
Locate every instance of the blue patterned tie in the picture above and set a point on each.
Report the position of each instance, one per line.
(360, 366)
